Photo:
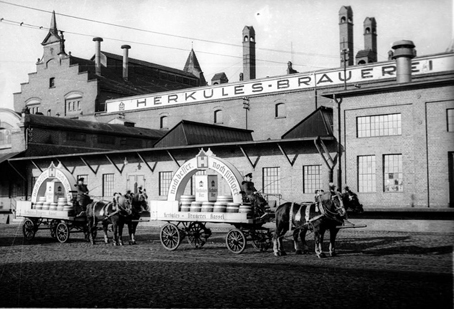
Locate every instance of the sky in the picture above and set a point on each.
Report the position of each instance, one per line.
(305, 32)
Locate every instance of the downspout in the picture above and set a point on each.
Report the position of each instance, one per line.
(339, 146)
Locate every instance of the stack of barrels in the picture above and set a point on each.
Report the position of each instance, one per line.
(40, 203)
(245, 208)
(186, 201)
(62, 202)
(207, 206)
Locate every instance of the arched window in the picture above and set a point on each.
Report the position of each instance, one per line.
(246, 38)
(280, 110)
(367, 30)
(73, 102)
(33, 105)
(164, 122)
(343, 19)
(218, 116)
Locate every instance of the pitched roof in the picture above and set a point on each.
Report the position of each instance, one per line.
(364, 53)
(90, 126)
(194, 133)
(319, 123)
(192, 66)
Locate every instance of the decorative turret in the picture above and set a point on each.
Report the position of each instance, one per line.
(346, 33)
(54, 44)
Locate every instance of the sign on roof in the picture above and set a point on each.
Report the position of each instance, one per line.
(355, 74)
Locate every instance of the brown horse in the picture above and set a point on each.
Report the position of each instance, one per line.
(108, 213)
(139, 204)
(308, 216)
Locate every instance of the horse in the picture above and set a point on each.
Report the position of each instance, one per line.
(351, 202)
(109, 213)
(308, 216)
(139, 204)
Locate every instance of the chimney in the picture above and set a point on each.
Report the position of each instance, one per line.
(403, 53)
(98, 55)
(125, 61)
(248, 53)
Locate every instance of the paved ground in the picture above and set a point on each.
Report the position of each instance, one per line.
(374, 269)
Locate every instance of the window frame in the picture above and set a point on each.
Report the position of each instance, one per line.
(314, 183)
(450, 125)
(271, 182)
(163, 190)
(366, 181)
(387, 173)
(377, 125)
(108, 184)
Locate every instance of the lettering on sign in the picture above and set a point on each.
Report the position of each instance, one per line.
(297, 81)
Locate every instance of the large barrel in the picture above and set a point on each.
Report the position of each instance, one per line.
(220, 207)
(186, 201)
(46, 206)
(224, 199)
(207, 207)
(233, 207)
(196, 206)
(53, 206)
(245, 209)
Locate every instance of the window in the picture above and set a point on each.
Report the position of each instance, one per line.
(52, 82)
(271, 180)
(366, 174)
(108, 185)
(450, 119)
(73, 105)
(311, 178)
(218, 116)
(165, 178)
(393, 175)
(164, 122)
(76, 136)
(381, 125)
(280, 111)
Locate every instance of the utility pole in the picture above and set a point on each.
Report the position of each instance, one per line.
(246, 106)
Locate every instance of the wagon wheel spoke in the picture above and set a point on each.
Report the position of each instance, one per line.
(236, 241)
(62, 232)
(198, 234)
(53, 227)
(170, 236)
(29, 229)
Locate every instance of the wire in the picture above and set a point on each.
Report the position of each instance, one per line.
(167, 34)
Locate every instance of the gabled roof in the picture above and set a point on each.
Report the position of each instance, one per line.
(187, 133)
(192, 66)
(52, 36)
(89, 126)
(317, 124)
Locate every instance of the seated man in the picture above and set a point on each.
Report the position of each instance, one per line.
(82, 198)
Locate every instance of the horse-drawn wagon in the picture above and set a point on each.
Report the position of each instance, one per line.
(50, 206)
(188, 215)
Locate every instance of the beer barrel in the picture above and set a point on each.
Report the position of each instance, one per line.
(224, 199)
(46, 206)
(233, 207)
(220, 207)
(196, 206)
(207, 207)
(186, 201)
(245, 209)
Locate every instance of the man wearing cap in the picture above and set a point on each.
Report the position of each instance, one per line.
(82, 196)
(332, 189)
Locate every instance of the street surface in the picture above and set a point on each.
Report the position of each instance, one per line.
(374, 269)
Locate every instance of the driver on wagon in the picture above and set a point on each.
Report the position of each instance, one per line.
(82, 196)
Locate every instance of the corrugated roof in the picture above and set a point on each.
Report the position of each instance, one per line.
(90, 126)
(194, 133)
(319, 123)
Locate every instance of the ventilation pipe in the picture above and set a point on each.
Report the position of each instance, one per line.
(98, 55)
(125, 60)
(403, 53)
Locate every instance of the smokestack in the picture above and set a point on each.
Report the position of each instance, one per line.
(403, 53)
(98, 55)
(248, 53)
(125, 61)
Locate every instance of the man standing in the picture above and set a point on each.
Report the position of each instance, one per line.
(82, 196)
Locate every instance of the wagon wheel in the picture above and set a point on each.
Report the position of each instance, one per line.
(261, 240)
(62, 232)
(198, 234)
(170, 236)
(235, 241)
(29, 229)
(53, 226)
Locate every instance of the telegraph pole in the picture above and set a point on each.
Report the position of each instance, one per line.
(246, 107)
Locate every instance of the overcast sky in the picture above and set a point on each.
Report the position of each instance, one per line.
(305, 32)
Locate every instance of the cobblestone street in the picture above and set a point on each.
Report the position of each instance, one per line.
(374, 269)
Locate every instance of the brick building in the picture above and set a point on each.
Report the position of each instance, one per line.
(395, 136)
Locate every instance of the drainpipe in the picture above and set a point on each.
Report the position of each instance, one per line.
(339, 146)
(98, 55)
(125, 61)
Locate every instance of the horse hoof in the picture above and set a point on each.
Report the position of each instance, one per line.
(298, 252)
(321, 255)
(277, 253)
(132, 242)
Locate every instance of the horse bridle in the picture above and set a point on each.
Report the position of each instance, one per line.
(337, 209)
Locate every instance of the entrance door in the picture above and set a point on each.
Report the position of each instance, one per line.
(451, 178)
(134, 182)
